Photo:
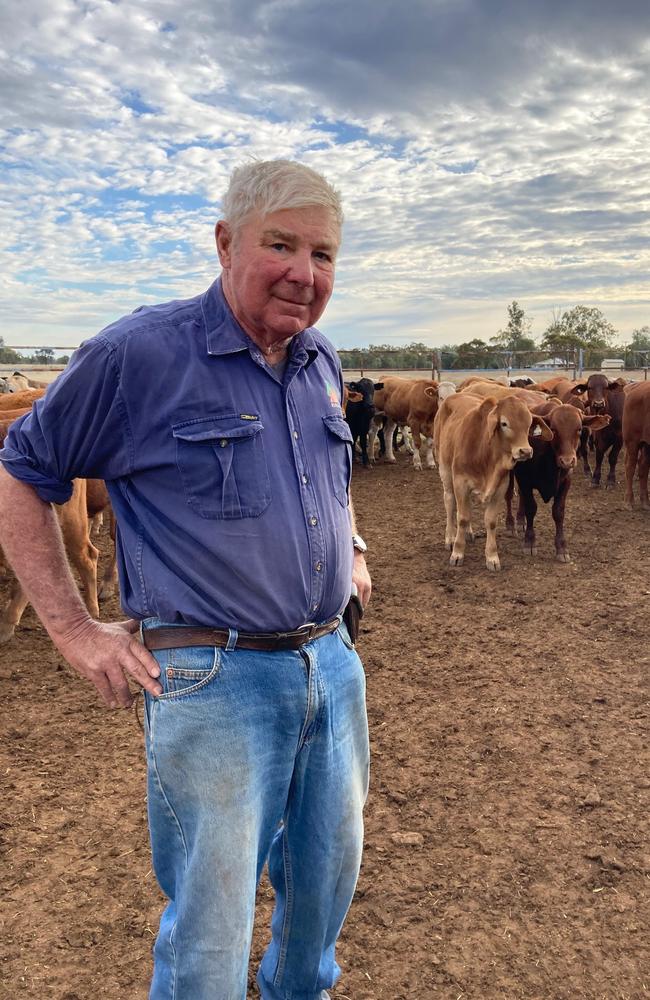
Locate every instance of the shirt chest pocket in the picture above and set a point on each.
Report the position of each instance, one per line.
(223, 466)
(339, 453)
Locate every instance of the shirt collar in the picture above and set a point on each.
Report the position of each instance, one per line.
(224, 335)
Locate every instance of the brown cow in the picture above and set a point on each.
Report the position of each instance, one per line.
(477, 442)
(73, 518)
(636, 436)
(97, 504)
(16, 400)
(406, 402)
(531, 397)
(605, 396)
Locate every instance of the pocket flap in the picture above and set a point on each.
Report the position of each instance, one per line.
(339, 427)
(215, 430)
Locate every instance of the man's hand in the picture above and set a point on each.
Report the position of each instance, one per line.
(361, 577)
(106, 653)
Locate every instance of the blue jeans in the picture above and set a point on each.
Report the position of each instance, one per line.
(255, 756)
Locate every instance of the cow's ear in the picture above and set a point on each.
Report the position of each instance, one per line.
(488, 412)
(352, 385)
(354, 397)
(430, 391)
(378, 385)
(578, 389)
(618, 383)
(595, 422)
(539, 430)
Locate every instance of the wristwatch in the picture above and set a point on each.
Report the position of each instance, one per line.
(359, 543)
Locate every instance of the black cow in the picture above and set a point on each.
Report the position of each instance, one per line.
(549, 471)
(359, 414)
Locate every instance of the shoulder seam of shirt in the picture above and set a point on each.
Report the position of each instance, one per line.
(119, 398)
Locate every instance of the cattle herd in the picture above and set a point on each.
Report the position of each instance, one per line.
(488, 437)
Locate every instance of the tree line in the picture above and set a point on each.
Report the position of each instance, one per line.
(42, 356)
(581, 328)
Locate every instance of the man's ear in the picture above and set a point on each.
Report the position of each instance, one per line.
(223, 237)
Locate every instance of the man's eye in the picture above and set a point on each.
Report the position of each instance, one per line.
(278, 246)
(321, 255)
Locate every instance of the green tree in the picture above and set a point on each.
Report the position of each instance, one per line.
(582, 326)
(638, 350)
(8, 355)
(475, 354)
(515, 337)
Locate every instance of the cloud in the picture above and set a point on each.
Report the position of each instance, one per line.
(484, 152)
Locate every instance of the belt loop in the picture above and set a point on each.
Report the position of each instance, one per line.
(232, 639)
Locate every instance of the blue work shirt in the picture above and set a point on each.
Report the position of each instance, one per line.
(229, 482)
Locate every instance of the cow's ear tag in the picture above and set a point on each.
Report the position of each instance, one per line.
(537, 431)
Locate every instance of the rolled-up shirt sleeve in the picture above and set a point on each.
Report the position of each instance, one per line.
(79, 429)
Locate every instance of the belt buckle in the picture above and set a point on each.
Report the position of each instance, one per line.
(307, 630)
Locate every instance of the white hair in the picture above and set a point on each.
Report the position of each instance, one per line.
(267, 186)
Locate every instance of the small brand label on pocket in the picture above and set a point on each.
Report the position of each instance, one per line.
(248, 416)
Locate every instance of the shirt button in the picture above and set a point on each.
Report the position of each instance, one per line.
(314, 607)
(318, 566)
(313, 521)
(305, 479)
(296, 435)
(223, 442)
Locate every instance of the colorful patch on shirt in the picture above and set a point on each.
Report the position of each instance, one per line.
(332, 394)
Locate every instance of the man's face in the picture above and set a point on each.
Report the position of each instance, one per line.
(278, 270)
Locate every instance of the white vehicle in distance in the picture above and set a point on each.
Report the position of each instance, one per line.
(616, 363)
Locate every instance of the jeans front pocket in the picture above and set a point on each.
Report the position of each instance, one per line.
(223, 465)
(186, 670)
(339, 453)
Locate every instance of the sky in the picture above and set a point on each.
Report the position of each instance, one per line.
(485, 150)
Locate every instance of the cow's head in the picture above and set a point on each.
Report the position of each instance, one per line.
(366, 388)
(566, 421)
(510, 421)
(598, 387)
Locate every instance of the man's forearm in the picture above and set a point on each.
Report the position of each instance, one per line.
(31, 539)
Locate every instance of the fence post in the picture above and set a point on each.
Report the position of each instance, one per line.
(435, 367)
(581, 362)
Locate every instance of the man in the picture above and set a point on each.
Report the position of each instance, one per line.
(217, 424)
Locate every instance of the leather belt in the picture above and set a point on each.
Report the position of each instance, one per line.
(176, 636)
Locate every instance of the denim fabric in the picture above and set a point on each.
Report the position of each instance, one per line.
(255, 756)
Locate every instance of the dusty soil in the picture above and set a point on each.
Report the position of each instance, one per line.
(507, 846)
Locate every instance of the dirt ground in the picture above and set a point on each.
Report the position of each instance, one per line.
(507, 845)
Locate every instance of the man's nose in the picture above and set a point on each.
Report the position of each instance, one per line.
(302, 269)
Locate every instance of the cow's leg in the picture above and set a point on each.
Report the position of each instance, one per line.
(583, 452)
(644, 468)
(429, 461)
(363, 443)
(406, 438)
(601, 448)
(559, 505)
(388, 439)
(13, 612)
(631, 457)
(450, 506)
(521, 515)
(109, 581)
(492, 510)
(463, 523)
(81, 552)
(510, 521)
(417, 444)
(372, 437)
(530, 509)
(613, 459)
